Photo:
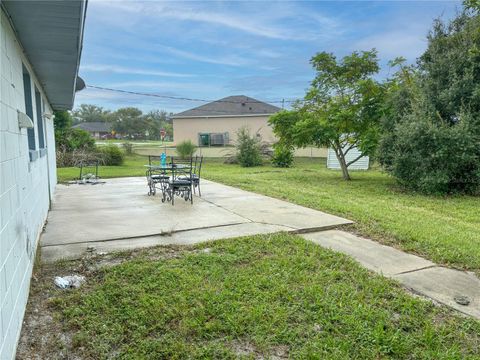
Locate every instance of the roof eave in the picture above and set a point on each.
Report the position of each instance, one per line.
(219, 116)
(51, 35)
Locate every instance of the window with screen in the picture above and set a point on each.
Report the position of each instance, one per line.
(27, 92)
(40, 125)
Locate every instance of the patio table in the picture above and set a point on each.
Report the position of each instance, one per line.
(167, 178)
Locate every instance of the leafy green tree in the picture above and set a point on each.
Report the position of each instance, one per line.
(129, 122)
(62, 120)
(431, 129)
(156, 120)
(90, 113)
(472, 5)
(342, 109)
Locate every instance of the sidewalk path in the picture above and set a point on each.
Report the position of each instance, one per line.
(421, 276)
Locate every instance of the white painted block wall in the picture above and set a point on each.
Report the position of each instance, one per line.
(24, 190)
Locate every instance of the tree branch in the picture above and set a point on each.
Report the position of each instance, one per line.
(358, 157)
(350, 148)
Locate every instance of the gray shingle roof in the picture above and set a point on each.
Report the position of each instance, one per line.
(231, 105)
(94, 126)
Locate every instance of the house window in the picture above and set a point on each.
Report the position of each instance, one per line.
(40, 127)
(27, 93)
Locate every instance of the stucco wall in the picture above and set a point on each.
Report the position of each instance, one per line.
(189, 128)
(24, 190)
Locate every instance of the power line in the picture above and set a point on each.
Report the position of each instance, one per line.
(283, 101)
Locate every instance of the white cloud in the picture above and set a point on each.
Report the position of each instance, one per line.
(162, 86)
(129, 70)
(257, 18)
(231, 60)
(409, 43)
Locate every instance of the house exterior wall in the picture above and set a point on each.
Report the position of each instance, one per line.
(25, 189)
(189, 128)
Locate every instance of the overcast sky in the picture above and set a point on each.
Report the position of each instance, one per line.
(212, 49)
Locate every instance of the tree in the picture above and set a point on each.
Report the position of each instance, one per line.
(90, 113)
(62, 120)
(156, 120)
(341, 110)
(130, 122)
(431, 129)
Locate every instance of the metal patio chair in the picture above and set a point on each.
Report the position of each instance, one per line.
(155, 176)
(197, 169)
(180, 182)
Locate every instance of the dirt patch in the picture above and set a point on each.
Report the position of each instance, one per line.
(247, 349)
(43, 335)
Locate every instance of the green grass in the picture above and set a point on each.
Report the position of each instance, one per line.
(255, 297)
(133, 166)
(443, 229)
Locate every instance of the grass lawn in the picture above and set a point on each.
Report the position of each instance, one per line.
(443, 229)
(270, 296)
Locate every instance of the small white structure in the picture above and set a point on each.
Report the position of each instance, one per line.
(360, 164)
(40, 45)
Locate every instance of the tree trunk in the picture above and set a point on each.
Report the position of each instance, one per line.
(341, 159)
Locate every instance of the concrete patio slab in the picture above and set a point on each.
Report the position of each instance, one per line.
(119, 215)
(443, 285)
(264, 209)
(51, 253)
(374, 256)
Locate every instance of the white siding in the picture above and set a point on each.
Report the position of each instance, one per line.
(360, 164)
(24, 190)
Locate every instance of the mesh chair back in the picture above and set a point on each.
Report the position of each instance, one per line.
(198, 166)
(182, 168)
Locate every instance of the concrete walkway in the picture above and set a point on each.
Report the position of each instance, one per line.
(118, 215)
(421, 276)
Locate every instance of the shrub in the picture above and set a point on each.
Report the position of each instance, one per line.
(431, 130)
(248, 148)
(437, 159)
(73, 145)
(111, 155)
(127, 147)
(74, 139)
(282, 155)
(185, 149)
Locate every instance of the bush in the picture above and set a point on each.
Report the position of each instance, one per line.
(436, 159)
(282, 155)
(73, 146)
(74, 139)
(111, 155)
(185, 149)
(431, 130)
(248, 148)
(127, 147)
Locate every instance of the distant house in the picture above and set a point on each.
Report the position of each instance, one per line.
(96, 129)
(40, 50)
(216, 123)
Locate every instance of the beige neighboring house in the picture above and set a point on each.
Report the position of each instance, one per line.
(216, 123)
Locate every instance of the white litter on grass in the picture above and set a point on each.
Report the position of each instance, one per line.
(67, 282)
